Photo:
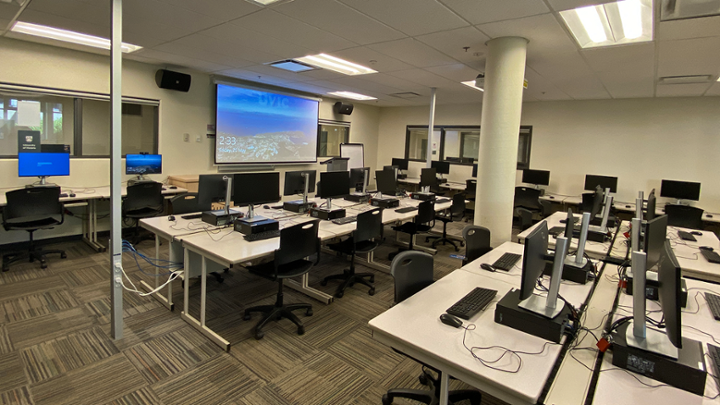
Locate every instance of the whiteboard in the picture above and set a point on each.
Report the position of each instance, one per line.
(355, 152)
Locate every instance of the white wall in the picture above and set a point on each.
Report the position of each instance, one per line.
(641, 141)
(33, 64)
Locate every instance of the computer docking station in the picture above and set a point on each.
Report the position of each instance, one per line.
(611, 223)
(423, 196)
(253, 227)
(297, 206)
(219, 217)
(401, 176)
(580, 275)
(651, 287)
(596, 236)
(322, 213)
(358, 197)
(385, 202)
(687, 373)
(507, 312)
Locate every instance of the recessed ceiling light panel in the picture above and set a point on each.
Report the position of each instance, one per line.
(351, 95)
(292, 65)
(471, 83)
(68, 36)
(267, 2)
(683, 9)
(623, 22)
(329, 62)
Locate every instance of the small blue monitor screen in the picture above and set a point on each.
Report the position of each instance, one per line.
(43, 164)
(143, 164)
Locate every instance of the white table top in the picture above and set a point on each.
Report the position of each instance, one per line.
(410, 180)
(413, 327)
(660, 210)
(92, 193)
(619, 387)
(692, 262)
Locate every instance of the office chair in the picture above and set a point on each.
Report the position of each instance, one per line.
(366, 238)
(423, 222)
(528, 198)
(525, 217)
(477, 242)
(297, 243)
(184, 204)
(412, 272)
(457, 211)
(144, 200)
(587, 202)
(470, 195)
(437, 190)
(684, 216)
(31, 209)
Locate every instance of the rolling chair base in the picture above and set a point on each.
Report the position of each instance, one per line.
(37, 254)
(350, 278)
(444, 241)
(431, 397)
(275, 313)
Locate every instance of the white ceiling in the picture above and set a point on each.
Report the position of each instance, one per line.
(413, 44)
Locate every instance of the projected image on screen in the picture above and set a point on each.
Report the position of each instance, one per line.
(260, 127)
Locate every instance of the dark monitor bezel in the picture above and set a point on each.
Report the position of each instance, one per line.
(385, 182)
(651, 204)
(206, 183)
(533, 262)
(475, 170)
(25, 155)
(428, 177)
(538, 177)
(669, 188)
(655, 236)
(267, 182)
(592, 180)
(359, 178)
(440, 167)
(669, 294)
(295, 178)
(334, 184)
(401, 164)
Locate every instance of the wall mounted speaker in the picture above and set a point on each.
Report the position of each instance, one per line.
(167, 79)
(343, 108)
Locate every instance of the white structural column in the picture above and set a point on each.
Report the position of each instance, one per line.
(431, 128)
(499, 133)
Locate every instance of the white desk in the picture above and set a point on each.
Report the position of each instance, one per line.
(688, 254)
(709, 217)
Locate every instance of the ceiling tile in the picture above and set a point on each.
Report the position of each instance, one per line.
(413, 52)
(714, 90)
(698, 56)
(681, 90)
(423, 77)
(157, 20)
(246, 38)
(686, 29)
(253, 77)
(340, 20)
(560, 5)
(570, 73)
(457, 72)
(308, 87)
(67, 23)
(541, 88)
(273, 24)
(452, 42)
(366, 85)
(483, 11)
(227, 47)
(203, 54)
(626, 71)
(182, 61)
(221, 10)
(544, 32)
(412, 17)
(396, 82)
(373, 59)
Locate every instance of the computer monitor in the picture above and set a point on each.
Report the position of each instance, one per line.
(143, 164)
(401, 164)
(605, 182)
(333, 185)
(358, 177)
(440, 167)
(669, 294)
(533, 261)
(211, 188)
(655, 236)
(386, 183)
(474, 172)
(428, 177)
(651, 202)
(43, 165)
(295, 182)
(537, 177)
(256, 188)
(390, 168)
(569, 224)
(597, 203)
(680, 190)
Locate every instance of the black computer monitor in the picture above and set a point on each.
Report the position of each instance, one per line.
(334, 185)
(390, 168)
(669, 294)
(295, 182)
(256, 188)
(440, 167)
(597, 202)
(539, 177)
(143, 164)
(681, 190)
(569, 225)
(386, 182)
(211, 188)
(651, 202)
(655, 235)
(357, 177)
(591, 181)
(533, 265)
(474, 173)
(401, 164)
(43, 164)
(428, 177)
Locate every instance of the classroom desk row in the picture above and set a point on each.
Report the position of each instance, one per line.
(203, 249)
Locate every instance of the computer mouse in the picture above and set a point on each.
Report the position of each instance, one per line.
(172, 187)
(552, 197)
(697, 233)
(628, 206)
(171, 218)
(487, 267)
(709, 216)
(71, 195)
(448, 319)
(267, 207)
(708, 248)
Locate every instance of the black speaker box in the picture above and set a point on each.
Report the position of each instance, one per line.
(343, 108)
(167, 79)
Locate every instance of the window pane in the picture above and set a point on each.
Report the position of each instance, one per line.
(95, 128)
(470, 144)
(330, 137)
(139, 128)
(55, 125)
(417, 143)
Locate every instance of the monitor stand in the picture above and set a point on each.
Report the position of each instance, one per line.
(43, 183)
(140, 179)
(328, 213)
(360, 197)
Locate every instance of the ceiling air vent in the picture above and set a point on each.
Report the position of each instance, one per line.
(685, 79)
(405, 95)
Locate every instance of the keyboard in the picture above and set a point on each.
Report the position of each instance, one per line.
(712, 257)
(441, 200)
(63, 195)
(506, 261)
(713, 302)
(714, 353)
(191, 216)
(262, 235)
(405, 210)
(686, 236)
(474, 302)
(343, 221)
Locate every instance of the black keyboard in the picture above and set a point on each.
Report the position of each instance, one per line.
(474, 302)
(442, 200)
(262, 235)
(405, 210)
(710, 256)
(63, 195)
(714, 353)
(686, 236)
(343, 221)
(713, 302)
(191, 216)
(506, 261)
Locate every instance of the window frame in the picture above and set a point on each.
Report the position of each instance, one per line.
(321, 122)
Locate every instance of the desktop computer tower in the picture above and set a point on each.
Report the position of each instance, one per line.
(358, 197)
(385, 202)
(251, 228)
(219, 217)
(580, 275)
(297, 206)
(423, 196)
(322, 213)
(507, 312)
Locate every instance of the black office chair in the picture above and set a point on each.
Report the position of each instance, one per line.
(477, 242)
(587, 202)
(684, 216)
(366, 238)
(438, 191)
(528, 198)
(297, 243)
(412, 272)
(423, 222)
(184, 204)
(456, 213)
(470, 193)
(31, 209)
(525, 217)
(144, 200)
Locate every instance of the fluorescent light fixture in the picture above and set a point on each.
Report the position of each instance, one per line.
(351, 95)
(328, 62)
(263, 2)
(622, 22)
(68, 36)
(471, 83)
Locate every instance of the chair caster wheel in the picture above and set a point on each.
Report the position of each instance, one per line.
(372, 279)
(259, 335)
(339, 294)
(301, 330)
(462, 244)
(386, 400)
(43, 265)
(323, 283)
(371, 291)
(247, 317)
(63, 255)
(423, 379)
(309, 312)
(226, 270)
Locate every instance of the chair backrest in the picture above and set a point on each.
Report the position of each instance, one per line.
(470, 186)
(587, 202)
(525, 218)
(145, 195)
(297, 242)
(412, 271)
(477, 241)
(34, 202)
(458, 205)
(426, 212)
(369, 226)
(684, 216)
(527, 198)
(184, 203)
